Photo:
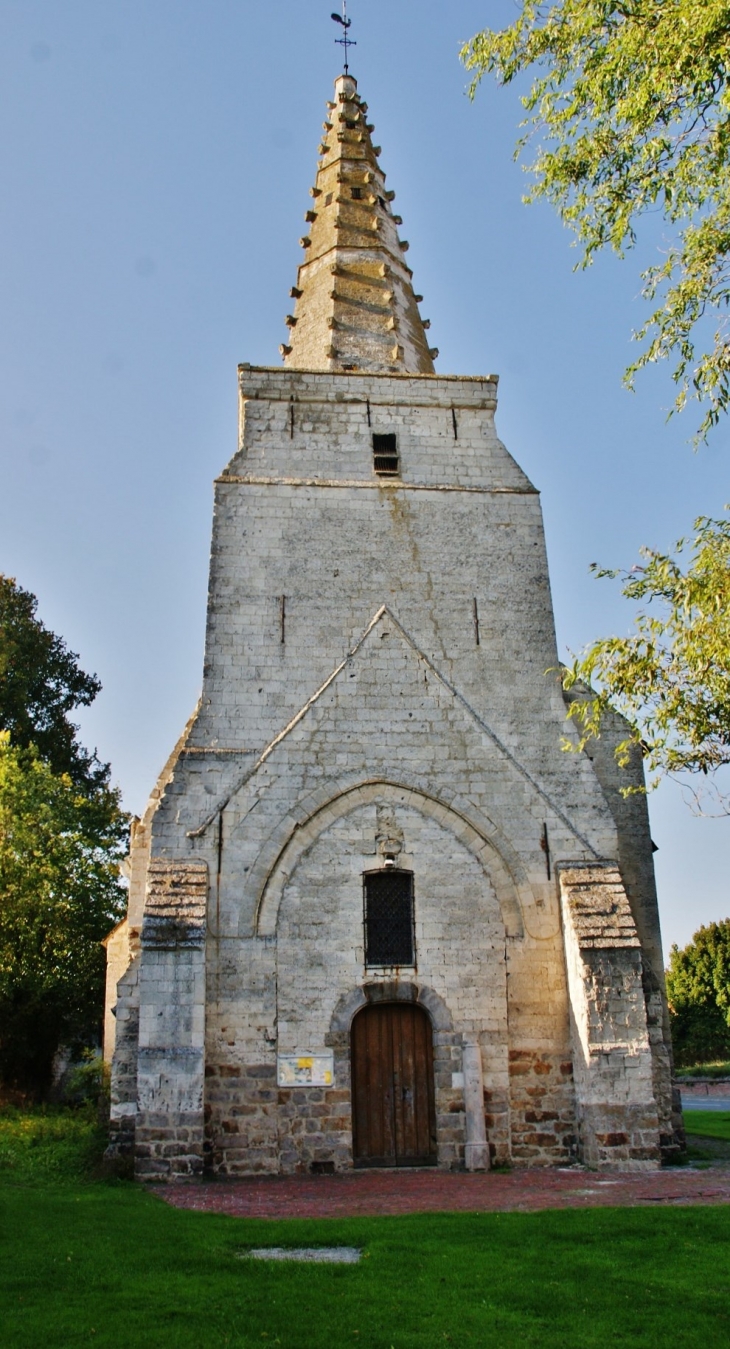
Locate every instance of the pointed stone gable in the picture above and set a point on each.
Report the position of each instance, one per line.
(355, 307)
(388, 706)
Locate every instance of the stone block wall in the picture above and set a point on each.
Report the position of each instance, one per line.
(252, 1125)
(171, 1055)
(450, 1113)
(459, 931)
(301, 515)
(618, 1123)
(123, 1104)
(542, 1119)
(241, 1118)
(317, 961)
(635, 859)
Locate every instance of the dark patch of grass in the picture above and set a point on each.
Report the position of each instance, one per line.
(109, 1265)
(719, 1069)
(50, 1143)
(708, 1123)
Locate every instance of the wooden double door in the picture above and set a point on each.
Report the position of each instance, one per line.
(393, 1108)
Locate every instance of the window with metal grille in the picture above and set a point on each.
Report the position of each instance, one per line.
(389, 917)
(357, 193)
(385, 455)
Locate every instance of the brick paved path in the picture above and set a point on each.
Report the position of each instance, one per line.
(371, 1193)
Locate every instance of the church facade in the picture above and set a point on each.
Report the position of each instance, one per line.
(377, 915)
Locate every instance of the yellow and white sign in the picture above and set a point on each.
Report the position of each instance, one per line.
(305, 1070)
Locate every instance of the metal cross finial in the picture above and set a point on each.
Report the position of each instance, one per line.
(344, 41)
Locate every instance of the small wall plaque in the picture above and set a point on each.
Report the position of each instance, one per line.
(305, 1070)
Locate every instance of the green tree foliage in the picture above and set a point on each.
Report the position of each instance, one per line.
(41, 684)
(60, 894)
(671, 677)
(61, 839)
(698, 989)
(629, 112)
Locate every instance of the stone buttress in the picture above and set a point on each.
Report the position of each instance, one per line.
(382, 714)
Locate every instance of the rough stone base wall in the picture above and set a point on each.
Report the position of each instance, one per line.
(316, 1129)
(168, 1146)
(253, 1126)
(172, 1001)
(542, 1109)
(672, 1139)
(497, 1123)
(241, 1119)
(123, 1104)
(619, 1137)
(615, 1071)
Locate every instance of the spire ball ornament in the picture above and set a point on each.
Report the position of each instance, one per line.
(344, 41)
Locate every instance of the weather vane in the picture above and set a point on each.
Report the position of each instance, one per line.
(344, 41)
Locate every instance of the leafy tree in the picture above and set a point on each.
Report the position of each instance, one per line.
(698, 989)
(629, 110)
(59, 895)
(671, 677)
(40, 686)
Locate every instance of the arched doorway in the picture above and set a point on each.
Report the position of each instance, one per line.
(393, 1108)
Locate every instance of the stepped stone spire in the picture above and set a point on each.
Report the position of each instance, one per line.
(355, 307)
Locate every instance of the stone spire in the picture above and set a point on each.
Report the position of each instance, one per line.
(355, 307)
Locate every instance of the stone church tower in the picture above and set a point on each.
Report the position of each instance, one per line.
(377, 916)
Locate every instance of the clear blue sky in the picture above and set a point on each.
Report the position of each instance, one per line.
(156, 158)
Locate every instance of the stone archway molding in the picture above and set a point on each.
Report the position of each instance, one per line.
(348, 1006)
(283, 850)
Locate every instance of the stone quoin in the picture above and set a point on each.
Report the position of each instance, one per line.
(377, 915)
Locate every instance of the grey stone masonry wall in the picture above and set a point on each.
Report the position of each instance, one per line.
(123, 1105)
(635, 848)
(616, 1108)
(171, 1057)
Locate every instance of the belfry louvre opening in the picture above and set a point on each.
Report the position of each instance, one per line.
(388, 897)
(385, 455)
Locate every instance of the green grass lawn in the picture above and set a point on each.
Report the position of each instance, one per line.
(721, 1068)
(708, 1123)
(105, 1263)
(49, 1144)
(109, 1265)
